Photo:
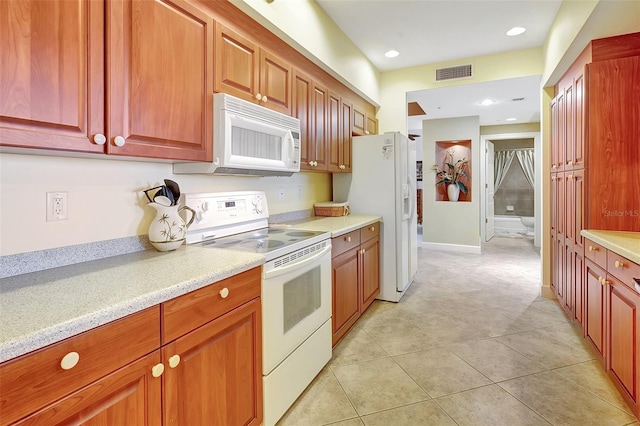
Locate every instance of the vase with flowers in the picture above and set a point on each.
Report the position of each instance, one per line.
(451, 174)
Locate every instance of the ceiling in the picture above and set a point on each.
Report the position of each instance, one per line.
(432, 31)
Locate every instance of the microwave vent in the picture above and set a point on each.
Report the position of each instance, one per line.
(244, 108)
(454, 73)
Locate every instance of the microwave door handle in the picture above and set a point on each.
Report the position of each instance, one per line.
(295, 265)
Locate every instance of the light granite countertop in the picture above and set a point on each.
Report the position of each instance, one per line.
(338, 225)
(626, 244)
(41, 308)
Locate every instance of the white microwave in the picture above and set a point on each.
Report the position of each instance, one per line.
(249, 139)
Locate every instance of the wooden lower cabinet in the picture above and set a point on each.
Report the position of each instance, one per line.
(623, 346)
(122, 373)
(214, 373)
(355, 277)
(129, 396)
(594, 306)
(612, 317)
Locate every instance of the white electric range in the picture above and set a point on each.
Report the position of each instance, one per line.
(296, 288)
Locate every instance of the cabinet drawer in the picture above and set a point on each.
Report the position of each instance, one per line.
(190, 311)
(369, 231)
(596, 253)
(37, 379)
(345, 242)
(623, 269)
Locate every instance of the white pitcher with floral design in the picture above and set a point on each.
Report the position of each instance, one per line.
(167, 230)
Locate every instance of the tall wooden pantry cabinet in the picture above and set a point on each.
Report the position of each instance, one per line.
(595, 157)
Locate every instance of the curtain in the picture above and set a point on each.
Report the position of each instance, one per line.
(525, 157)
(501, 163)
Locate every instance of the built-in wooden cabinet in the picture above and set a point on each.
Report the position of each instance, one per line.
(340, 126)
(132, 78)
(355, 277)
(90, 373)
(136, 78)
(250, 72)
(593, 157)
(364, 123)
(310, 106)
(196, 359)
(612, 323)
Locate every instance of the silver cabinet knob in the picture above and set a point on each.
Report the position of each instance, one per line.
(174, 361)
(157, 370)
(258, 96)
(224, 293)
(119, 141)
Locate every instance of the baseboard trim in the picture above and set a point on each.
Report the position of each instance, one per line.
(458, 248)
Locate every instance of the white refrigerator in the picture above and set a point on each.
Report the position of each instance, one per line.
(383, 183)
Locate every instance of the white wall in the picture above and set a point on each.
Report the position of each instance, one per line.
(451, 225)
(395, 84)
(106, 199)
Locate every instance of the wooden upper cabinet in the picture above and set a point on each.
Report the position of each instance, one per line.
(309, 105)
(275, 82)
(363, 123)
(614, 153)
(160, 79)
(372, 125)
(359, 122)
(245, 70)
(340, 125)
(158, 70)
(52, 79)
(237, 64)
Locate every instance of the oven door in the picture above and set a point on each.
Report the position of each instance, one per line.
(296, 301)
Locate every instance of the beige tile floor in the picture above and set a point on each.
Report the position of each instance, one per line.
(471, 343)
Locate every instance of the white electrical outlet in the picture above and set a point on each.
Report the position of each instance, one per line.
(299, 192)
(281, 193)
(57, 206)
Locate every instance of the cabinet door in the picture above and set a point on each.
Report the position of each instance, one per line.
(579, 122)
(554, 135)
(129, 396)
(577, 199)
(237, 64)
(275, 82)
(52, 79)
(561, 137)
(359, 122)
(623, 346)
(345, 136)
(370, 272)
(345, 305)
(614, 156)
(569, 131)
(160, 80)
(372, 125)
(217, 379)
(322, 125)
(302, 109)
(334, 131)
(577, 277)
(594, 305)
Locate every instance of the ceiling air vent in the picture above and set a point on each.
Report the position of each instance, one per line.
(517, 99)
(452, 73)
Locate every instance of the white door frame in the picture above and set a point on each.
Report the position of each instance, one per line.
(537, 209)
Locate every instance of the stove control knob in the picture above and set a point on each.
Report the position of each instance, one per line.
(198, 215)
(205, 206)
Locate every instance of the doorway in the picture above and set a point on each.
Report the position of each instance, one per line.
(488, 228)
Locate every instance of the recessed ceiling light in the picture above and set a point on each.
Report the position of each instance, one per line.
(516, 31)
(511, 119)
(486, 102)
(391, 53)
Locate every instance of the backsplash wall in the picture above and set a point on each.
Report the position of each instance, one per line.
(105, 198)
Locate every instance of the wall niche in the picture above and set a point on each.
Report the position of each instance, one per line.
(458, 154)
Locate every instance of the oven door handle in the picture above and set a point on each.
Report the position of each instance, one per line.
(295, 265)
